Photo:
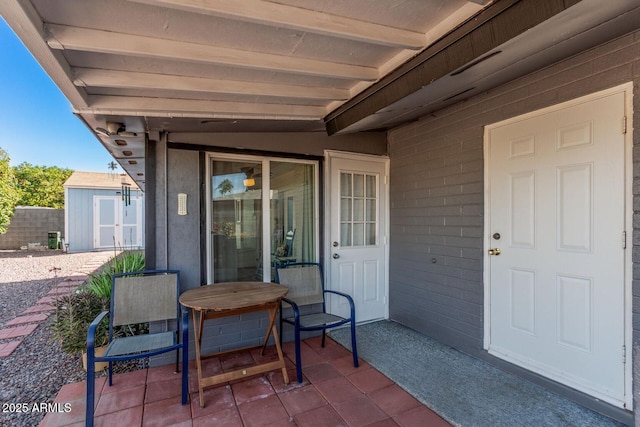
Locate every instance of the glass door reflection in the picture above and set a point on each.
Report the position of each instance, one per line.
(236, 228)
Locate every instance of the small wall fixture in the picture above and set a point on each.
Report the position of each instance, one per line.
(115, 129)
(127, 153)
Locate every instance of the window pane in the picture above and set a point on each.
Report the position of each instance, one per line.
(371, 210)
(358, 210)
(358, 234)
(370, 238)
(371, 186)
(345, 234)
(345, 184)
(292, 213)
(236, 189)
(358, 185)
(345, 209)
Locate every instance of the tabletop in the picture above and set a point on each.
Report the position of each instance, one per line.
(232, 295)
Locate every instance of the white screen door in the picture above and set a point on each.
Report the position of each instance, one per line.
(557, 216)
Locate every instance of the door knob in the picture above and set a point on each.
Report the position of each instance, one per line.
(336, 256)
(495, 251)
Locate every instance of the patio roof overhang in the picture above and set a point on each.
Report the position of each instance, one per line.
(133, 69)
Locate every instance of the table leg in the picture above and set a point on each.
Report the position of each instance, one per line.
(273, 330)
(198, 321)
(273, 312)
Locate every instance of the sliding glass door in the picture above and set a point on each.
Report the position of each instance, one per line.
(247, 192)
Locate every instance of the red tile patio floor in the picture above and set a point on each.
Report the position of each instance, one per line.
(333, 393)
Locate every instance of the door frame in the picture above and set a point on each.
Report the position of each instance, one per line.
(266, 236)
(627, 89)
(335, 154)
(119, 211)
(96, 219)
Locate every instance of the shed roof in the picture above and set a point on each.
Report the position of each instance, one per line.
(99, 180)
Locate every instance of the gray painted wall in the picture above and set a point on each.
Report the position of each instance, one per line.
(32, 225)
(437, 194)
(312, 143)
(436, 200)
(180, 171)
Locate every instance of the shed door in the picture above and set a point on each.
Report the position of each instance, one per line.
(106, 222)
(557, 214)
(116, 224)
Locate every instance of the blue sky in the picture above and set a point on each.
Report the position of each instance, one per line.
(36, 120)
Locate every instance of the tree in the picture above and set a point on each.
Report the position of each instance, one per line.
(41, 185)
(8, 191)
(225, 187)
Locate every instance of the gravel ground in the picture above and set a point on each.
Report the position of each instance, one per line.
(37, 369)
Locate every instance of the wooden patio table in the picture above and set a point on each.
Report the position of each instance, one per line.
(229, 299)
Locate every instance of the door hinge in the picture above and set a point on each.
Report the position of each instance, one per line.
(624, 354)
(624, 125)
(624, 240)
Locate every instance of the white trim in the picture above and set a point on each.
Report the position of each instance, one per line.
(266, 218)
(266, 236)
(66, 219)
(334, 154)
(628, 262)
(627, 89)
(96, 220)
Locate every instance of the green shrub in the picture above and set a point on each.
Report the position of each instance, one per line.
(128, 261)
(74, 313)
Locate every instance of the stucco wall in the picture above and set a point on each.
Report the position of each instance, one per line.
(437, 193)
(32, 225)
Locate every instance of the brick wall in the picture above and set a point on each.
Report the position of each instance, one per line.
(437, 198)
(32, 225)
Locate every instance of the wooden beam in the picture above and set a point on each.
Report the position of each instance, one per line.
(134, 80)
(170, 107)
(495, 25)
(284, 16)
(73, 38)
(27, 25)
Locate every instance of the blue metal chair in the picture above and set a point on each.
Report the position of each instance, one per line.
(306, 286)
(285, 257)
(140, 297)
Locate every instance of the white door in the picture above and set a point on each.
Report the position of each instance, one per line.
(132, 224)
(357, 261)
(116, 224)
(557, 216)
(106, 221)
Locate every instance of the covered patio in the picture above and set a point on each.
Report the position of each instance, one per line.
(420, 383)
(334, 393)
(397, 144)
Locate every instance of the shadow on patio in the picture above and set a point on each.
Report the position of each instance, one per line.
(334, 393)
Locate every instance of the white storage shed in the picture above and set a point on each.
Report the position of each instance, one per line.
(102, 211)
